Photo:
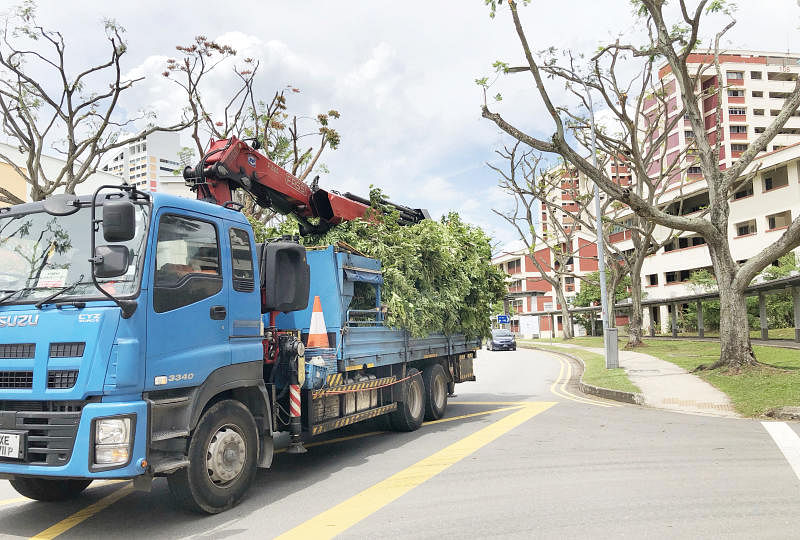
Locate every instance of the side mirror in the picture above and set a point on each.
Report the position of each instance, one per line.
(119, 220)
(110, 261)
(285, 277)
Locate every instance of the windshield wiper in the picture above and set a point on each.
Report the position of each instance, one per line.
(14, 293)
(59, 292)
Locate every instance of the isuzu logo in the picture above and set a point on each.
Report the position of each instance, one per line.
(18, 320)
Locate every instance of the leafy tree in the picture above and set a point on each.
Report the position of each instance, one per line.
(608, 74)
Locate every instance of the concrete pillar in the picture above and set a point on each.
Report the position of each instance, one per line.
(701, 331)
(674, 320)
(664, 312)
(796, 299)
(762, 316)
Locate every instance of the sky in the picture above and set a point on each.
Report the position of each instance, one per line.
(402, 75)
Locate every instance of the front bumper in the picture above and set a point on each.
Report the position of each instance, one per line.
(78, 465)
(504, 346)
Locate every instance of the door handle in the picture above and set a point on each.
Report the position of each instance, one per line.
(218, 313)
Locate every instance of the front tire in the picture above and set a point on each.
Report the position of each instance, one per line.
(435, 391)
(411, 411)
(222, 460)
(42, 489)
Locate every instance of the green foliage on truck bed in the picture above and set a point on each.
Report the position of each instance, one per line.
(438, 274)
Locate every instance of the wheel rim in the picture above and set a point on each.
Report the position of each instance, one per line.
(415, 398)
(439, 392)
(225, 455)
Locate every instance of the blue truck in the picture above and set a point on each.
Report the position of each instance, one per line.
(144, 335)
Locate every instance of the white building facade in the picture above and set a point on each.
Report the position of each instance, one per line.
(150, 164)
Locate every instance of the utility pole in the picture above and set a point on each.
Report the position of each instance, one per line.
(609, 341)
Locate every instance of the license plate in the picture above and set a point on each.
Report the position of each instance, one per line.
(11, 445)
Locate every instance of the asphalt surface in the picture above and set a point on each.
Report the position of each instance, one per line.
(560, 465)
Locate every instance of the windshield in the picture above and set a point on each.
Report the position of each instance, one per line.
(500, 333)
(42, 253)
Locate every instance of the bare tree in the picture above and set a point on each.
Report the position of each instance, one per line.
(672, 43)
(46, 108)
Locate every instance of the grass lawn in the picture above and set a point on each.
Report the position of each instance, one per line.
(596, 373)
(774, 333)
(753, 391)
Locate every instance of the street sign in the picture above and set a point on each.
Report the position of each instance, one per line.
(502, 319)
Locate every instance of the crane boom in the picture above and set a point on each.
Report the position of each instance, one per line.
(232, 164)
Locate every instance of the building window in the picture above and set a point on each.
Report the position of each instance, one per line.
(652, 279)
(694, 170)
(733, 111)
(759, 130)
(688, 135)
(757, 93)
(779, 95)
(738, 147)
(776, 180)
(514, 267)
(758, 112)
(780, 220)
(735, 93)
(745, 227)
(738, 75)
(744, 191)
(777, 147)
(738, 129)
(755, 74)
(671, 277)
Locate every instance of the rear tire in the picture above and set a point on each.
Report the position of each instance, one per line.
(435, 391)
(42, 489)
(411, 411)
(222, 454)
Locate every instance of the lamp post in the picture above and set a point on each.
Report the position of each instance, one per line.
(609, 342)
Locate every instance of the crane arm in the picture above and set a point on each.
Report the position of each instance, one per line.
(232, 164)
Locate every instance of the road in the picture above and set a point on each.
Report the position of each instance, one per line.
(556, 465)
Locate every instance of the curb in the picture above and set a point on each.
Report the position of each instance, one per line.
(632, 398)
(784, 413)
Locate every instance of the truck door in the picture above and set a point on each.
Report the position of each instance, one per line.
(244, 297)
(187, 329)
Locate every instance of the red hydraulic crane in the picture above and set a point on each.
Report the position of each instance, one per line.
(232, 164)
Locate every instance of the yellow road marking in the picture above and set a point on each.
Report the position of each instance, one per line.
(450, 419)
(346, 514)
(82, 515)
(449, 402)
(14, 501)
(563, 379)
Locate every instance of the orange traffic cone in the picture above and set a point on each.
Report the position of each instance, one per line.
(318, 333)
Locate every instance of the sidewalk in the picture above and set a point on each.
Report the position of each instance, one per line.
(667, 386)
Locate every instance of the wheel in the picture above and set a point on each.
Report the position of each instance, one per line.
(42, 489)
(222, 460)
(435, 382)
(411, 411)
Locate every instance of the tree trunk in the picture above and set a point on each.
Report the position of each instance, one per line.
(562, 300)
(635, 322)
(734, 330)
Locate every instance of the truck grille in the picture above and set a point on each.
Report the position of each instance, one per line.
(17, 350)
(67, 350)
(16, 379)
(62, 379)
(51, 429)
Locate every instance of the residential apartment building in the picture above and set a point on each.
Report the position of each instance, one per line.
(150, 163)
(752, 93)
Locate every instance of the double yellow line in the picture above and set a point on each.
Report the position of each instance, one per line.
(559, 387)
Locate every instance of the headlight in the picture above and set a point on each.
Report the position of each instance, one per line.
(112, 431)
(112, 441)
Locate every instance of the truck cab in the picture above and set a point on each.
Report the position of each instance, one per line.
(107, 378)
